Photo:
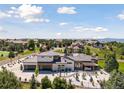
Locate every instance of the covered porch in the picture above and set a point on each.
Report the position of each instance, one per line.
(86, 66)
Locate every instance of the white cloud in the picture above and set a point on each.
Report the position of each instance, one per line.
(84, 29)
(35, 20)
(13, 8)
(2, 29)
(63, 23)
(29, 13)
(58, 34)
(98, 37)
(4, 15)
(100, 29)
(121, 16)
(66, 10)
(27, 10)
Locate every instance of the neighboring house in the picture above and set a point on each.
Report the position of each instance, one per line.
(76, 46)
(98, 45)
(53, 61)
(17, 41)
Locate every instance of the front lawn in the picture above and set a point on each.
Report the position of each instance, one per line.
(25, 85)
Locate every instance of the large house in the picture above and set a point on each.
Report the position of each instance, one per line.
(53, 61)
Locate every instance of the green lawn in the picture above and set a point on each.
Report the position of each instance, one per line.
(100, 52)
(101, 64)
(121, 65)
(27, 52)
(25, 85)
(5, 53)
(59, 50)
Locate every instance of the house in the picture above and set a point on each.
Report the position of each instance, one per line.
(53, 61)
(98, 45)
(76, 46)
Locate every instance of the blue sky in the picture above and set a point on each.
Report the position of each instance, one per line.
(61, 21)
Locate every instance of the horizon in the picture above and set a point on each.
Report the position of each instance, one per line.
(63, 21)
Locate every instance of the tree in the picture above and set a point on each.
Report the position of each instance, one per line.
(41, 49)
(116, 81)
(33, 82)
(87, 51)
(65, 51)
(8, 80)
(11, 54)
(59, 83)
(111, 62)
(45, 83)
(31, 45)
(21, 67)
(1, 55)
(122, 50)
(70, 86)
(36, 71)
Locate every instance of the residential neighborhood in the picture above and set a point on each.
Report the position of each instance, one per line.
(82, 67)
(61, 46)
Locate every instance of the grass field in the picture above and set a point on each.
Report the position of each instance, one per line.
(27, 52)
(5, 53)
(121, 65)
(59, 50)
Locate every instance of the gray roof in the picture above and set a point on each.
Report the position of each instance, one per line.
(36, 59)
(81, 57)
(51, 53)
(31, 59)
(75, 57)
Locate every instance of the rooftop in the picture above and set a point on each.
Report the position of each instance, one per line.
(81, 57)
(47, 57)
(50, 53)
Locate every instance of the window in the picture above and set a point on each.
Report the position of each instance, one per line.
(69, 63)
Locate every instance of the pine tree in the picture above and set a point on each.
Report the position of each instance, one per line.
(31, 45)
(33, 82)
(111, 62)
(116, 81)
(8, 80)
(36, 71)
